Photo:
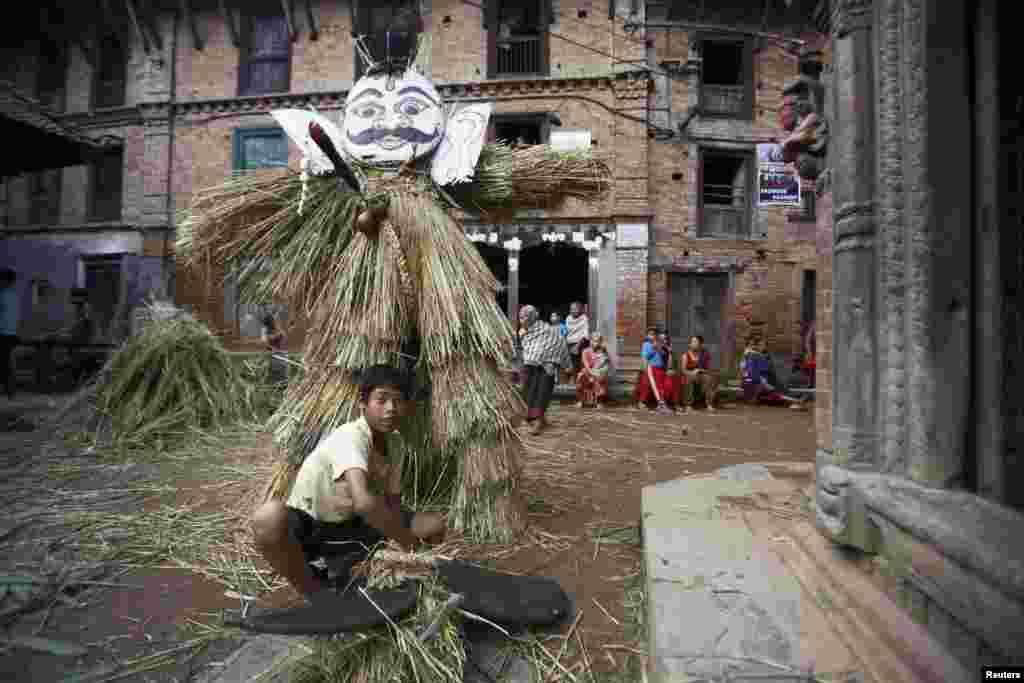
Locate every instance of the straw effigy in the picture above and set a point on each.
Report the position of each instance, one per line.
(419, 280)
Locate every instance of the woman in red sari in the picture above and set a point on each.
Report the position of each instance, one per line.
(592, 379)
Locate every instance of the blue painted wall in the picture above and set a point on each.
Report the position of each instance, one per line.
(57, 263)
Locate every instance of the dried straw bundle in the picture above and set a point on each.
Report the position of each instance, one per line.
(174, 377)
(253, 220)
(473, 399)
(486, 504)
(394, 652)
(388, 567)
(509, 179)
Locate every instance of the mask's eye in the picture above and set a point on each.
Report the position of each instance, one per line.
(368, 111)
(411, 107)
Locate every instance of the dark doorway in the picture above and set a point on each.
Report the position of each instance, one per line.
(518, 129)
(695, 307)
(552, 276)
(1010, 204)
(103, 284)
(496, 259)
(807, 303)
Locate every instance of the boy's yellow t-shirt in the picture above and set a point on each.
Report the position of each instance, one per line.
(319, 488)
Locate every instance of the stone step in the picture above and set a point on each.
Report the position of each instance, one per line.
(883, 635)
(721, 603)
(791, 596)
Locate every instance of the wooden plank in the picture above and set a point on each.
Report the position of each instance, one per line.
(286, 6)
(314, 33)
(229, 20)
(114, 26)
(146, 15)
(134, 17)
(190, 19)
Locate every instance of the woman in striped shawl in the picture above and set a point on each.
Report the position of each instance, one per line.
(544, 352)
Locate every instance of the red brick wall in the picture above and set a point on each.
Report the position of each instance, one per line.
(769, 290)
(631, 316)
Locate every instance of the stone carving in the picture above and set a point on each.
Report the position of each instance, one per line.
(832, 510)
(851, 15)
(803, 116)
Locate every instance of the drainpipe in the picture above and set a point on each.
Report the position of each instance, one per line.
(173, 97)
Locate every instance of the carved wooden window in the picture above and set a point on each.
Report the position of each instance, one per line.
(106, 184)
(725, 179)
(517, 42)
(256, 148)
(519, 129)
(109, 81)
(44, 197)
(727, 78)
(51, 86)
(266, 56)
(390, 29)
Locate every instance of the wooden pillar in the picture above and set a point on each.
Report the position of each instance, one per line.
(855, 430)
(594, 263)
(512, 252)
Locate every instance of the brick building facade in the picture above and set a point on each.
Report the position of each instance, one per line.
(674, 96)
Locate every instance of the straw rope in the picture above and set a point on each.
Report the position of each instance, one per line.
(387, 229)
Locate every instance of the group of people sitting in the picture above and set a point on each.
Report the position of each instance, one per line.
(669, 381)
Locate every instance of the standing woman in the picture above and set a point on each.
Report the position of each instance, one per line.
(544, 352)
(274, 339)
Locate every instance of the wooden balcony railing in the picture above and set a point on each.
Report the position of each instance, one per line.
(724, 100)
(724, 212)
(520, 56)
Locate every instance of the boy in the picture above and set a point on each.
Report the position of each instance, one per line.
(347, 492)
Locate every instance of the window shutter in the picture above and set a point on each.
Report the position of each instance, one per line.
(700, 192)
(547, 17)
(748, 78)
(491, 10)
(363, 25)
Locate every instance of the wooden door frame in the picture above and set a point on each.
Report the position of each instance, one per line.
(724, 351)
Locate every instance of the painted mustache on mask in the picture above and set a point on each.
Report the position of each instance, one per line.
(410, 135)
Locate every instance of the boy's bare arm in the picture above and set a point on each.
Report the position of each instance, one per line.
(377, 511)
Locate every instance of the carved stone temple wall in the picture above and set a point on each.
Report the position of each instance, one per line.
(917, 435)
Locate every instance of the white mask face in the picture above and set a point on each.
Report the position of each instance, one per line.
(386, 119)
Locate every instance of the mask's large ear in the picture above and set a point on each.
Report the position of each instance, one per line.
(456, 156)
(296, 124)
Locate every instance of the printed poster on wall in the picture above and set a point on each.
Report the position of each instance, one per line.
(777, 182)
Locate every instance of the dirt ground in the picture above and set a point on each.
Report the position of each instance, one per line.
(582, 479)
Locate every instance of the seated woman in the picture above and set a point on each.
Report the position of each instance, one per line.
(701, 382)
(760, 384)
(654, 383)
(592, 379)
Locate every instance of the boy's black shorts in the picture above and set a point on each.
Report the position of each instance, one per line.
(319, 539)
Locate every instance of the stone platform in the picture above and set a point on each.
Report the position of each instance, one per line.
(742, 587)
